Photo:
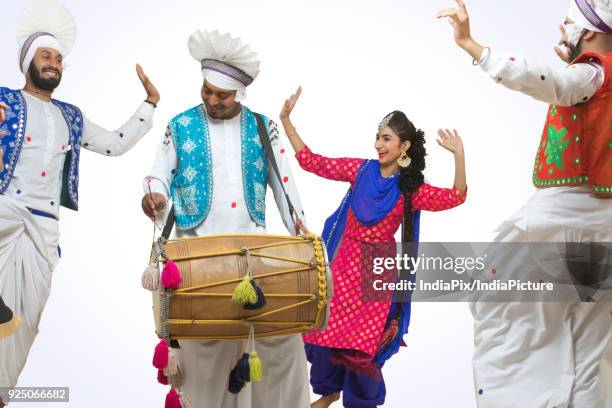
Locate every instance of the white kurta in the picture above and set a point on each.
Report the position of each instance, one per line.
(206, 364)
(29, 243)
(546, 354)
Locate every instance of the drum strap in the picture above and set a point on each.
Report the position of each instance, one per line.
(265, 141)
(169, 224)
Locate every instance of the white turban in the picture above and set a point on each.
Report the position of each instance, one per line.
(225, 82)
(41, 40)
(594, 15)
(44, 24)
(225, 62)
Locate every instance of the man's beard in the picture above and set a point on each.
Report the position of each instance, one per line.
(45, 84)
(576, 51)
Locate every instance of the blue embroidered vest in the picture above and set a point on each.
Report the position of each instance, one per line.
(192, 185)
(12, 132)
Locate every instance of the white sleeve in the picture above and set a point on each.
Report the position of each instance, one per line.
(288, 182)
(161, 174)
(567, 86)
(117, 142)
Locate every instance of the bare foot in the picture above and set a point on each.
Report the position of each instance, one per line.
(325, 401)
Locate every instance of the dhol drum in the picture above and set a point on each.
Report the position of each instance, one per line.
(292, 273)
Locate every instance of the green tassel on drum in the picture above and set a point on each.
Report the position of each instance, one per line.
(245, 292)
(255, 366)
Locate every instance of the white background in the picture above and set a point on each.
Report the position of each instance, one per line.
(357, 61)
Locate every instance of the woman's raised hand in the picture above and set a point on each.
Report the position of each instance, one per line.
(451, 141)
(290, 104)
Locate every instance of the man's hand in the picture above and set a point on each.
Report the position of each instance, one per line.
(300, 228)
(460, 20)
(563, 49)
(152, 93)
(152, 203)
(3, 107)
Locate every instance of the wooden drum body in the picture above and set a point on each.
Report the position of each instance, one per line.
(291, 271)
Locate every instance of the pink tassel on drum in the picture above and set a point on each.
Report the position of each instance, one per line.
(160, 357)
(172, 399)
(161, 377)
(176, 399)
(164, 359)
(171, 275)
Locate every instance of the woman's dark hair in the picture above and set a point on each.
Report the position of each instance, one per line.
(411, 177)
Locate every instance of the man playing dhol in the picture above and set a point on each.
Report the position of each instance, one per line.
(40, 141)
(555, 354)
(213, 166)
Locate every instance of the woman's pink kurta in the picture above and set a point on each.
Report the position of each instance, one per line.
(353, 323)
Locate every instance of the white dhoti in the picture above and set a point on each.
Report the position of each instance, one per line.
(547, 354)
(206, 366)
(28, 255)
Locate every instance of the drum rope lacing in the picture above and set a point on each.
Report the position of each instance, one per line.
(319, 264)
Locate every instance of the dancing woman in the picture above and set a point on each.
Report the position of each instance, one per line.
(385, 193)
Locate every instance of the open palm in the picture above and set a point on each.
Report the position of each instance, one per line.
(290, 104)
(152, 93)
(451, 141)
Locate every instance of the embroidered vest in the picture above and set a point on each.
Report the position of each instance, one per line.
(12, 136)
(192, 185)
(576, 144)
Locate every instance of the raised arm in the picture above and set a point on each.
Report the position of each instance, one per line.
(339, 169)
(564, 86)
(452, 142)
(294, 138)
(117, 142)
(430, 198)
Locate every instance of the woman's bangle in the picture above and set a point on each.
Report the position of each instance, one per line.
(294, 131)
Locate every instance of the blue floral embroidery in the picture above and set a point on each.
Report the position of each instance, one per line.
(187, 204)
(192, 186)
(12, 141)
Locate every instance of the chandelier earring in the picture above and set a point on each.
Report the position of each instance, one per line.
(404, 161)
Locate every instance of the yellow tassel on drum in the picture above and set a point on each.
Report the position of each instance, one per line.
(255, 366)
(244, 292)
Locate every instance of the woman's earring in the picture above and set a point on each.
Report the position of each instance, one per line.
(404, 161)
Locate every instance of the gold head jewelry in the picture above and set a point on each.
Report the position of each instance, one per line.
(385, 122)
